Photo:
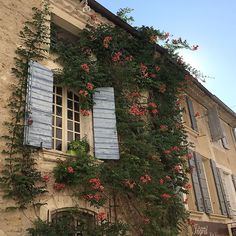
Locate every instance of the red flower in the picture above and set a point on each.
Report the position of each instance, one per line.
(45, 178)
(116, 56)
(152, 75)
(162, 88)
(197, 114)
(70, 170)
(85, 67)
(163, 127)
(96, 184)
(152, 104)
(178, 168)
(58, 186)
(167, 152)
(89, 86)
(101, 216)
(165, 196)
(137, 110)
(129, 58)
(187, 186)
(85, 112)
(190, 222)
(135, 94)
(189, 156)
(175, 148)
(157, 68)
(146, 220)
(161, 181)
(154, 111)
(83, 93)
(145, 179)
(93, 17)
(130, 183)
(106, 41)
(97, 196)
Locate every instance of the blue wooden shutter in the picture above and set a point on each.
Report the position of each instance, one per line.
(104, 124)
(191, 114)
(224, 191)
(39, 107)
(203, 182)
(196, 185)
(214, 124)
(219, 188)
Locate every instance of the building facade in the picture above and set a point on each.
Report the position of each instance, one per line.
(209, 124)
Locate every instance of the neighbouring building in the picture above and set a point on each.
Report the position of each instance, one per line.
(210, 126)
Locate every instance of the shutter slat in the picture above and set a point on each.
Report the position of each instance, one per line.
(203, 183)
(214, 124)
(104, 121)
(191, 114)
(196, 185)
(39, 106)
(218, 188)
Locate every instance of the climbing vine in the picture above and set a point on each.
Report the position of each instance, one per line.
(20, 179)
(151, 175)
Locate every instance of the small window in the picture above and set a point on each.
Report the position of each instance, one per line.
(74, 223)
(66, 118)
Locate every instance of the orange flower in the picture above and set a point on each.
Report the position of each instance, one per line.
(130, 184)
(157, 68)
(116, 56)
(83, 93)
(188, 186)
(197, 114)
(143, 70)
(189, 156)
(45, 178)
(163, 127)
(59, 186)
(101, 216)
(161, 181)
(106, 41)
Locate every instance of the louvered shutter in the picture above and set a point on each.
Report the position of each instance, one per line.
(191, 114)
(196, 185)
(38, 120)
(218, 188)
(224, 139)
(234, 181)
(203, 183)
(224, 191)
(104, 124)
(214, 124)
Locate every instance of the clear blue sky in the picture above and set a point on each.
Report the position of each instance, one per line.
(209, 23)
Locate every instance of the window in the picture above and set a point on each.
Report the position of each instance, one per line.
(74, 223)
(66, 118)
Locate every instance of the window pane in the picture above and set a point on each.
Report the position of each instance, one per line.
(76, 106)
(70, 125)
(77, 136)
(59, 111)
(52, 131)
(70, 136)
(53, 147)
(53, 120)
(76, 114)
(77, 127)
(59, 90)
(59, 134)
(76, 98)
(69, 104)
(59, 100)
(70, 115)
(59, 122)
(70, 95)
(58, 145)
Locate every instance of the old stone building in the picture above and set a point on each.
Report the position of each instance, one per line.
(209, 123)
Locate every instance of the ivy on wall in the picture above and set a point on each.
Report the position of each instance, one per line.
(20, 179)
(151, 174)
